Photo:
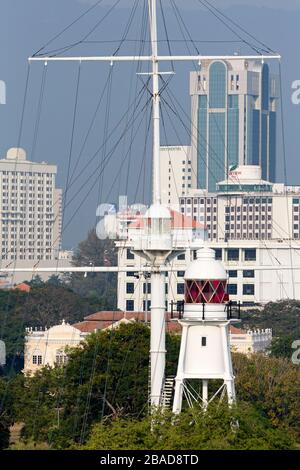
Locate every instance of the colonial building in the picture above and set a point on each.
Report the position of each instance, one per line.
(48, 346)
(247, 342)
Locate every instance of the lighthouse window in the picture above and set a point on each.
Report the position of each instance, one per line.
(203, 341)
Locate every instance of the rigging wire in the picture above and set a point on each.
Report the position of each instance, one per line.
(258, 50)
(86, 36)
(71, 145)
(68, 26)
(267, 48)
(39, 112)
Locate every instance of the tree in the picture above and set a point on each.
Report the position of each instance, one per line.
(222, 428)
(284, 319)
(5, 415)
(282, 346)
(99, 287)
(272, 385)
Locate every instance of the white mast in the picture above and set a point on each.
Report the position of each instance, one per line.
(156, 103)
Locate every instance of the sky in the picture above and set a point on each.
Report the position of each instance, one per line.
(47, 135)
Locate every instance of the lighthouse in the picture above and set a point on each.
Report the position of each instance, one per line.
(204, 351)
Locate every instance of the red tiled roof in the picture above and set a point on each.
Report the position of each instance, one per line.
(23, 287)
(236, 331)
(104, 319)
(178, 220)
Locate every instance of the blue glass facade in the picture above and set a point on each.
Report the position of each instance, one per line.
(233, 130)
(265, 88)
(272, 146)
(216, 150)
(217, 85)
(202, 142)
(255, 137)
(264, 146)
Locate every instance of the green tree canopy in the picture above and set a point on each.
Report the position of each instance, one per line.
(102, 287)
(220, 428)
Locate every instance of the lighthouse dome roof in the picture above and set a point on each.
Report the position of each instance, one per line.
(205, 267)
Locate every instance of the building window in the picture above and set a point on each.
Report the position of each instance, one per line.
(233, 254)
(181, 257)
(248, 289)
(250, 254)
(37, 359)
(180, 273)
(218, 253)
(148, 304)
(61, 358)
(180, 288)
(129, 288)
(248, 273)
(129, 305)
(145, 288)
(130, 274)
(232, 289)
(232, 273)
(129, 254)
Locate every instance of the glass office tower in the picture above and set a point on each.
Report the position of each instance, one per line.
(233, 119)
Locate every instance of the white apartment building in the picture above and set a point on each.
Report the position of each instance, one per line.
(245, 207)
(178, 173)
(253, 225)
(30, 209)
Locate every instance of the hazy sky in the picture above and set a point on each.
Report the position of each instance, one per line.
(25, 26)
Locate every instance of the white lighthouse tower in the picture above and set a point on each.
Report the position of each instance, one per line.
(204, 351)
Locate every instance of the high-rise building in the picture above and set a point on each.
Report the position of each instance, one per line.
(30, 209)
(178, 173)
(233, 119)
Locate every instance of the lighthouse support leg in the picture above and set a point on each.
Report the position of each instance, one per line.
(229, 377)
(177, 404)
(205, 393)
